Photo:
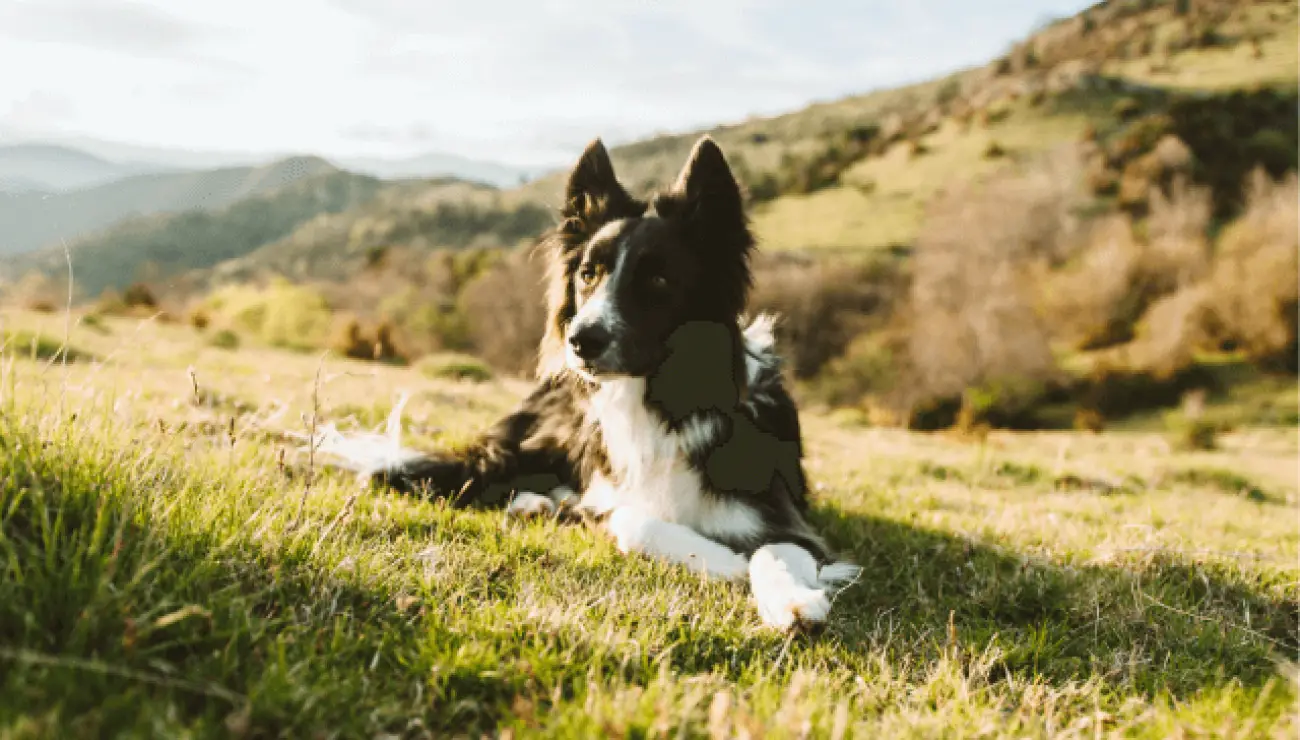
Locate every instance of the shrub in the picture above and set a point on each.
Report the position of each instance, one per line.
(139, 295)
(1115, 390)
(1126, 109)
(506, 313)
(36, 292)
(352, 341)
(455, 366)
(37, 346)
(225, 339)
(869, 366)
(1253, 291)
(1089, 420)
(820, 305)
(972, 307)
(280, 314)
(994, 150)
(199, 318)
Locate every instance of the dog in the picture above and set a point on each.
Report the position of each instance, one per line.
(659, 413)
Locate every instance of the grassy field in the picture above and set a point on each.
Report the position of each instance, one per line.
(172, 567)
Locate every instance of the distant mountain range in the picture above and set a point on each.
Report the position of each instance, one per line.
(169, 244)
(73, 163)
(51, 192)
(32, 219)
(53, 168)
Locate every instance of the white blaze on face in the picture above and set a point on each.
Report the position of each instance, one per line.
(599, 308)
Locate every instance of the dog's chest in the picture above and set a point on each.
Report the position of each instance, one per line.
(651, 472)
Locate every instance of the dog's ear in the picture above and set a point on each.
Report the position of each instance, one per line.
(706, 201)
(706, 193)
(594, 195)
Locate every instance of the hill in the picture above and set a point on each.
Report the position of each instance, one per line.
(29, 221)
(855, 175)
(417, 217)
(165, 245)
(53, 168)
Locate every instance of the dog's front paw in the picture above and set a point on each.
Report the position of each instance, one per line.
(527, 505)
(803, 609)
(787, 588)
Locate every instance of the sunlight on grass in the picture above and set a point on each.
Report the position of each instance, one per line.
(172, 567)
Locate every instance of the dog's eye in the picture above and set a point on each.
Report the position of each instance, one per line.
(588, 273)
(658, 282)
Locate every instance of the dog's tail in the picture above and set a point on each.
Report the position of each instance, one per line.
(378, 457)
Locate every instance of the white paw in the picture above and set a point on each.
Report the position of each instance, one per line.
(797, 607)
(526, 505)
(631, 530)
(789, 589)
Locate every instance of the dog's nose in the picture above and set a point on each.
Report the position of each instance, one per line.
(590, 341)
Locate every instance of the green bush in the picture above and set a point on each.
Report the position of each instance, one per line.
(225, 339)
(455, 366)
(35, 346)
(280, 314)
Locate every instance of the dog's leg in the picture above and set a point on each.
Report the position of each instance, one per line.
(675, 543)
(789, 587)
(527, 505)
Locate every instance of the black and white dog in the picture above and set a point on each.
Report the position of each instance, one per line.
(656, 414)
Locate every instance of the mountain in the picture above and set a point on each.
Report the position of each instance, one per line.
(51, 168)
(30, 220)
(416, 216)
(166, 245)
(855, 176)
(430, 166)
(158, 159)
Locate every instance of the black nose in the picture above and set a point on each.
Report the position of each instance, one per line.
(590, 341)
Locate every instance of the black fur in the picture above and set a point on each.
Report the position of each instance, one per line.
(679, 280)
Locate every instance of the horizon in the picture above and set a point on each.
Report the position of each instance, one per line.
(512, 84)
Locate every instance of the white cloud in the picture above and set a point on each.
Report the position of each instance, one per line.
(515, 81)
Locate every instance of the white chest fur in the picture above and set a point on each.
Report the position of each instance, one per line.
(651, 469)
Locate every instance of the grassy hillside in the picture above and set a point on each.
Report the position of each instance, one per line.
(29, 221)
(172, 567)
(417, 217)
(173, 243)
(856, 174)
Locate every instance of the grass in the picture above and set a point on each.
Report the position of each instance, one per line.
(882, 200)
(1231, 67)
(168, 570)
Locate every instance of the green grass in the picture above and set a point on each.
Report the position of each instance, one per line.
(159, 579)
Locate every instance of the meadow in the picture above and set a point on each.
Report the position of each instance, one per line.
(176, 565)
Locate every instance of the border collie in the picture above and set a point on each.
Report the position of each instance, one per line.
(658, 413)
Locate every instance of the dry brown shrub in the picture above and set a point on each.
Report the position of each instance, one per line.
(37, 292)
(1178, 251)
(820, 305)
(971, 303)
(1091, 302)
(506, 312)
(1097, 300)
(1253, 283)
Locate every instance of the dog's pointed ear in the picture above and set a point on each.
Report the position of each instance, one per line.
(705, 188)
(594, 195)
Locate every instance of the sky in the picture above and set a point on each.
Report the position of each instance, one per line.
(525, 83)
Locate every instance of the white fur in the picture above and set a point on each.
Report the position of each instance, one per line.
(365, 452)
(654, 476)
(760, 343)
(783, 578)
(526, 505)
(636, 532)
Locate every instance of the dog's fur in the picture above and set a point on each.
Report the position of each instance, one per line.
(656, 411)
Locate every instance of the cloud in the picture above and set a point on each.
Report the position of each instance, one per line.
(102, 24)
(527, 81)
